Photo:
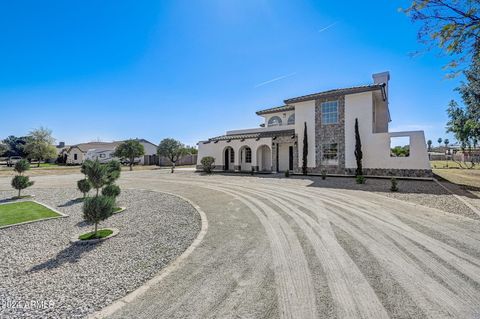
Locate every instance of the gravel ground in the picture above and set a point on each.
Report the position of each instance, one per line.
(38, 263)
(426, 193)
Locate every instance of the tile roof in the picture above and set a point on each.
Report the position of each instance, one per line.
(342, 91)
(252, 135)
(282, 108)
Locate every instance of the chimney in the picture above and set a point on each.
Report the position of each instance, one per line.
(383, 77)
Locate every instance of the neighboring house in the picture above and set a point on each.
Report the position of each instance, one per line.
(77, 154)
(330, 120)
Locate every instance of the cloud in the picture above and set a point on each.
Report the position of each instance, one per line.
(328, 27)
(275, 79)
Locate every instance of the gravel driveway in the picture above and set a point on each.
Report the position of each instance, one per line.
(39, 263)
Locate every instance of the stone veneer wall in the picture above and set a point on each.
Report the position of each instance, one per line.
(285, 140)
(329, 134)
(392, 172)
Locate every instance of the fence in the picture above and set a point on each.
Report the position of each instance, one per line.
(163, 161)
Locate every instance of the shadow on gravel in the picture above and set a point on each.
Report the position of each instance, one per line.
(83, 223)
(71, 254)
(72, 202)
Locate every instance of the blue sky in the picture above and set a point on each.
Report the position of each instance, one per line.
(113, 70)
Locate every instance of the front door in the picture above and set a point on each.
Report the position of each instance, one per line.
(227, 159)
(290, 158)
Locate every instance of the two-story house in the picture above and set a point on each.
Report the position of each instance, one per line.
(329, 121)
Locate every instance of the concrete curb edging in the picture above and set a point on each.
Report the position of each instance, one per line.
(62, 215)
(473, 208)
(132, 296)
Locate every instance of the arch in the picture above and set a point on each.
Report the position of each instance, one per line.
(264, 158)
(274, 121)
(228, 158)
(291, 119)
(245, 158)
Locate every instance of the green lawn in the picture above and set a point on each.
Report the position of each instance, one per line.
(449, 164)
(14, 213)
(102, 233)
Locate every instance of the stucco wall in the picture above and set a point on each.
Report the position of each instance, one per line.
(305, 112)
(376, 146)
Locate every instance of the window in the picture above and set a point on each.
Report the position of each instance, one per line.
(275, 121)
(400, 146)
(330, 112)
(330, 154)
(248, 155)
(232, 155)
(291, 119)
(75, 156)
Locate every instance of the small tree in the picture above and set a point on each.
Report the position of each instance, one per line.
(98, 208)
(358, 150)
(20, 181)
(305, 150)
(429, 144)
(173, 150)
(96, 173)
(84, 186)
(113, 169)
(394, 185)
(129, 149)
(207, 164)
(39, 145)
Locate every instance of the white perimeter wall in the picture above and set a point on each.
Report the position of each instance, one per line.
(305, 112)
(376, 147)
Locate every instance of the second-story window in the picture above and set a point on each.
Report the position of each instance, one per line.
(291, 119)
(329, 112)
(275, 121)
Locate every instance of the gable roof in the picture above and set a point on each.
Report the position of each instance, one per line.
(282, 108)
(341, 91)
(84, 147)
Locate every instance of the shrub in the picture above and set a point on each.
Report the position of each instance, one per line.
(84, 186)
(287, 173)
(111, 190)
(98, 208)
(21, 166)
(324, 174)
(207, 164)
(394, 186)
(360, 179)
(96, 172)
(113, 171)
(252, 172)
(20, 182)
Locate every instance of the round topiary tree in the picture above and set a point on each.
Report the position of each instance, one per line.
(111, 190)
(20, 182)
(207, 164)
(84, 186)
(96, 209)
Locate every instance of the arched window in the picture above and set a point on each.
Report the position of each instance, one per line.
(275, 121)
(291, 119)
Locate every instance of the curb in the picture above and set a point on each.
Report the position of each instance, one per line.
(137, 293)
(473, 208)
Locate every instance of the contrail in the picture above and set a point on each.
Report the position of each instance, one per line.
(275, 79)
(328, 27)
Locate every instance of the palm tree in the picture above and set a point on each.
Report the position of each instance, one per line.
(439, 141)
(429, 143)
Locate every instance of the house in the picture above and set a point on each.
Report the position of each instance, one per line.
(77, 154)
(329, 120)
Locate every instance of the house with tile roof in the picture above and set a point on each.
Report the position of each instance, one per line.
(329, 120)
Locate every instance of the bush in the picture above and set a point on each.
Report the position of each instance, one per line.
(360, 179)
(84, 186)
(20, 182)
(98, 208)
(111, 190)
(394, 186)
(324, 174)
(113, 171)
(287, 173)
(207, 164)
(252, 172)
(21, 166)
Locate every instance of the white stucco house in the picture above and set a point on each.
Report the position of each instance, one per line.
(77, 154)
(329, 120)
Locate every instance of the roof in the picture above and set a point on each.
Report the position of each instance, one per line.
(282, 108)
(84, 147)
(342, 91)
(252, 135)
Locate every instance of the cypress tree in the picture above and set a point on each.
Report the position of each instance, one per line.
(305, 150)
(358, 150)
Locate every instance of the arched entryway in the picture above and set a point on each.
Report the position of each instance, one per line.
(228, 159)
(264, 158)
(245, 158)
